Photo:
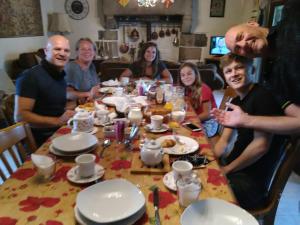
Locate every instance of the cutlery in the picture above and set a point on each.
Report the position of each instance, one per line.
(133, 132)
(156, 205)
(106, 143)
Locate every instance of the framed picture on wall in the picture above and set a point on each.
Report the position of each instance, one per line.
(217, 8)
(276, 12)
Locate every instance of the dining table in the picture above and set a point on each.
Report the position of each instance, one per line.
(26, 199)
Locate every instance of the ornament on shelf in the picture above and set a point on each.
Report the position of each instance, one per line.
(167, 3)
(123, 2)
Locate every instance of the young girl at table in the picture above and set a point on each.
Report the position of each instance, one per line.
(200, 96)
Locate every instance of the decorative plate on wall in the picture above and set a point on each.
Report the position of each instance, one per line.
(77, 9)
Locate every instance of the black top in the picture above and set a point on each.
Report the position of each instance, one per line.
(138, 70)
(46, 86)
(282, 71)
(258, 102)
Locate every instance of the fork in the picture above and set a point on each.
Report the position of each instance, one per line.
(177, 139)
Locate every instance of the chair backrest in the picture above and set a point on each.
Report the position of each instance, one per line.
(289, 158)
(16, 142)
(229, 93)
(9, 106)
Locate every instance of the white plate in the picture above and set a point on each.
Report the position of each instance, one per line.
(93, 131)
(59, 153)
(73, 176)
(74, 142)
(169, 181)
(215, 212)
(112, 100)
(128, 221)
(112, 200)
(111, 83)
(162, 129)
(108, 90)
(189, 146)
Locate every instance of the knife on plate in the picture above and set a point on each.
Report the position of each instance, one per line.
(156, 204)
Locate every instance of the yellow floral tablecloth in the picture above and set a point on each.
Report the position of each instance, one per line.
(24, 199)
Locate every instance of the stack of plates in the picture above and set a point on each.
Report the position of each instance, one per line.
(73, 144)
(113, 202)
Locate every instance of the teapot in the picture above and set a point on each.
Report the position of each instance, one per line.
(83, 121)
(151, 153)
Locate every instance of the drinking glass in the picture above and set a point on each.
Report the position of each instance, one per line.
(119, 129)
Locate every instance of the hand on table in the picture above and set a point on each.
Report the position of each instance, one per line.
(63, 119)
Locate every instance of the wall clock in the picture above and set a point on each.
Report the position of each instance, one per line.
(77, 9)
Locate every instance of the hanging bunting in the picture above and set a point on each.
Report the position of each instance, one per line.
(167, 3)
(123, 2)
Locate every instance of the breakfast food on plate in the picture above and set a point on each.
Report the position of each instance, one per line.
(168, 143)
(89, 106)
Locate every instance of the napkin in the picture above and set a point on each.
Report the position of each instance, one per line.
(42, 161)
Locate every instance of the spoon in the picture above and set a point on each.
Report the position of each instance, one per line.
(105, 144)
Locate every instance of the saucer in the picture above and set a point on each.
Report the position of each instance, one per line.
(73, 176)
(169, 181)
(93, 131)
(163, 128)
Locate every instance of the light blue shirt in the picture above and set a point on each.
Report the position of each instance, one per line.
(81, 80)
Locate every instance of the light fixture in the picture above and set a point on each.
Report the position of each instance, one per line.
(147, 3)
(59, 23)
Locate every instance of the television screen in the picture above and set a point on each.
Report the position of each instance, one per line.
(218, 46)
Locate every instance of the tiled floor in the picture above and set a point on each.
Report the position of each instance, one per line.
(288, 212)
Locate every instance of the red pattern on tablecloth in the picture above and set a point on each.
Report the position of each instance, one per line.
(64, 130)
(165, 198)
(61, 174)
(31, 218)
(7, 221)
(33, 203)
(53, 222)
(23, 174)
(215, 177)
(121, 164)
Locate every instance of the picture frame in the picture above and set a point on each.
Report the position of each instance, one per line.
(276, 9)
(217, 8)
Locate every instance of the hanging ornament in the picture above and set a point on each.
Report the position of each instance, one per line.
(123, 2)
(167, 3)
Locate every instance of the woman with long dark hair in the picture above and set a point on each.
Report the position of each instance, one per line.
(149, 65)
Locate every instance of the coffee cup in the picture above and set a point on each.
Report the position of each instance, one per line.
(156, 121)
(102, 116)
(86, 165)
(181, 168)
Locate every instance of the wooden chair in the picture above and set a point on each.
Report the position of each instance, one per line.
(266, 214)
(16, 142)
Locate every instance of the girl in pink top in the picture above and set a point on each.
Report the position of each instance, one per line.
(200, 96)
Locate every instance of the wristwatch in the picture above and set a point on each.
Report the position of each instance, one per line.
(77, 9)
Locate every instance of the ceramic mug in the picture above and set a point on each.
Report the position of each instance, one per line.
(86, 165)
(156, 122)
(181, 168)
